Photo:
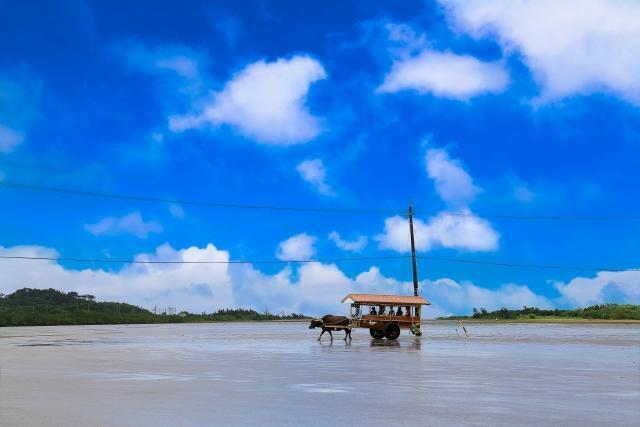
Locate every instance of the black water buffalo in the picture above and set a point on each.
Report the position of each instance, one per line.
(330, 323)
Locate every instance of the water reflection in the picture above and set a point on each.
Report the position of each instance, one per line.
(329, 343)
(384, 343)
(277, 371)
(413, 343)
(416, 343)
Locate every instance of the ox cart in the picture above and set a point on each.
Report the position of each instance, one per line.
(394, 312)
(386, 315)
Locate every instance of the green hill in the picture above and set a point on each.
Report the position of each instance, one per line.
(42, 307)
(595, 312)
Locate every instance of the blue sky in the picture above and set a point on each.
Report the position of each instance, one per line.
(485, 108)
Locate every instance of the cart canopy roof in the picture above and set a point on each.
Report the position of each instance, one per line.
(377, 299)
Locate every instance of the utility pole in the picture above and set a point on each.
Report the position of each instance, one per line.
(413, 251)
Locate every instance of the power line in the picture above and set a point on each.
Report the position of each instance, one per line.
(141, 261)
(29, 187)
(532, 266)
(323, 260)
(546, 217)
(84, 193)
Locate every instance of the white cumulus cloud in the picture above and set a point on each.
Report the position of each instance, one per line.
(132, 223)
(298, 247)
(606, 286)
(316, 289)
(348, 245)
(450, 297)
(265, 101)
(314, 172)
(463, 231)
(572, 46)
(446, 74)
(453, 183)
(197, 287)
(459, 229)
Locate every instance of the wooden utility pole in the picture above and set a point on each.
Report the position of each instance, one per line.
(413, 251)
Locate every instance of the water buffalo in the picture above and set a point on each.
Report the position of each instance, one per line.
(330, 323)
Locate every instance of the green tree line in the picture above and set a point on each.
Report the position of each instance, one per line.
(48, 307)
(599, 311)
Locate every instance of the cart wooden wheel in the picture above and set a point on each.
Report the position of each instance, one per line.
(376, 333)
(391, 331)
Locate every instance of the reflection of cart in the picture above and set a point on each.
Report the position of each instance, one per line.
(381, 315)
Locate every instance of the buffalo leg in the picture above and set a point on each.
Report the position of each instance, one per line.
(330, 334)
(346, 334)
(321, 333)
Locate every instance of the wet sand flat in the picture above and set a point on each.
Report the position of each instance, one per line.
(278, 374)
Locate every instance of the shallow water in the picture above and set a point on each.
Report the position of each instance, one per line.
(278, 374)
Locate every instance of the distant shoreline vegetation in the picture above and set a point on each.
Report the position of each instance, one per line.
(49, 307)
(595, 312)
